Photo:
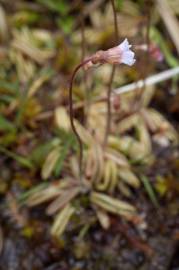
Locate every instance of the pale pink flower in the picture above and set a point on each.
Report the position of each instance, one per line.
(121, 54)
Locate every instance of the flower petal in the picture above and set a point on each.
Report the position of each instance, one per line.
(127, 58)
(124, 45)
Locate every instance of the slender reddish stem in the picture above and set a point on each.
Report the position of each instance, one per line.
(108, 122)
(115, 21)
(72, 114)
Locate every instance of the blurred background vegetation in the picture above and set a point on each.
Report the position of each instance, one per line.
(127, 216)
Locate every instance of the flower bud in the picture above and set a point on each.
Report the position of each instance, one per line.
(153, 50)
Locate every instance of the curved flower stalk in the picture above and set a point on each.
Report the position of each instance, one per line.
(121, 54)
